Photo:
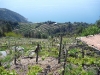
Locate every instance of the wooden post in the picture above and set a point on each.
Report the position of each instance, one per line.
(65, 59)
(8, 42)
(37, 49)
(0, 64)
(60, 49)
(15, 56)
(45, 72)
(82, 56)
(98, 72)
(82, 52)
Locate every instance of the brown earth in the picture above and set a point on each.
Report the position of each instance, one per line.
(23, 63)
(92, 40)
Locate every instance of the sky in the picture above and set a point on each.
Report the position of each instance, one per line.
(55, 10)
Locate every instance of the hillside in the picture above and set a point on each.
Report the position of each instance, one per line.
(44, 29)
(7, 26)
(9, 15)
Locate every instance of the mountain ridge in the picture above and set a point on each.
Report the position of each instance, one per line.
(9, 15)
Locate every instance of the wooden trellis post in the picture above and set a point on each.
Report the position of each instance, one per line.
(82, 52)
(37, 49)
(98, 72)
(60, 49)
(83, 56)
(65, 59)
(15, 55)
(0, 64)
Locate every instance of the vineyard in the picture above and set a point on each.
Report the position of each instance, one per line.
(53, 56)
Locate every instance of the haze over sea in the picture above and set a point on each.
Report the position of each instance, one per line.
(55, 10)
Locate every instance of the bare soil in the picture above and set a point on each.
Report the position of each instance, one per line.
(92, 40)
(22, 67)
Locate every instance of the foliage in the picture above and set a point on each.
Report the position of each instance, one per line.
(73, 52)
(34, 70)
(75, 65)
(7, 26)
(98, 23)
(12, 34)
(5, 72)
(91, 30)
(44, 30)
(7, 58)
(48, 52)
(77, 70)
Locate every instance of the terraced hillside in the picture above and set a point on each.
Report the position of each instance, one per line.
(43, 30)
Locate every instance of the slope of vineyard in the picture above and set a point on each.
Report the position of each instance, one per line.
(81, 59)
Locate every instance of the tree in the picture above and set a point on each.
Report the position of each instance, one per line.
(98, 23)
(91, 30)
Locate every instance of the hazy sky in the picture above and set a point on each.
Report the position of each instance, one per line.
(55, 10)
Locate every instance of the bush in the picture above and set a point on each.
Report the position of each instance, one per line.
(5, 72)
(91, 30)
(12, 34)
(34, 70)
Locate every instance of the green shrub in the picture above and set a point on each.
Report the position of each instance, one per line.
(91, 30)
(34, 70)
(12, 34)
(5, 72)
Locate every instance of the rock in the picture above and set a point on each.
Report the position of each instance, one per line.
(19, 48)
(3, 53)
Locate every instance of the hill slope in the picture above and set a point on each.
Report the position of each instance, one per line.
(43, 30)
(9, 15)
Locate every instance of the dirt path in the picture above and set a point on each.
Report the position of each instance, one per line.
(92, 41)
(22, 67)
